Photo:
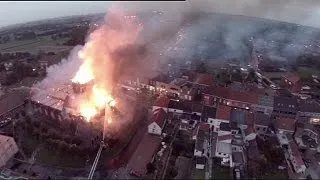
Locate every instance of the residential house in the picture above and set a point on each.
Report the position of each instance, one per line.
(208, 114)
(285, 125)
(264, 105)
(223, 114)
(224, 149)
(222, 95)
(292, 82)
(161, 103)
(262, 123)
(238, 120)
(307, 134)
(136, 82)
(296, 158)
(200, 162)
(157, 122)
(201, 145)
(179, 106)
(162, 84)
(224, 129)
(8, 148)
(309, 108)
(238, 159)
(285, 106)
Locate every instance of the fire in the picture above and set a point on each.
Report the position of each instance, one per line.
(85, 73)
(98, 63)
(101, 97)
(88, 111)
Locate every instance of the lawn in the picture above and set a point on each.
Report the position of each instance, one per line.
(198, 174)
(30, 143)
(61, 159)
(219, 172)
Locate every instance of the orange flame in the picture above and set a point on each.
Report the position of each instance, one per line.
(98, 63)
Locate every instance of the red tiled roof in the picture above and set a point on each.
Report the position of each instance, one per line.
(162, 101)
(292, 77)
(223, 112)
(223, 92)
(286, 124)
(248, 97)
(144, 153)
(224, 137)
(296, 153)
(205, 79)
(204, 127)
(217, 91)
(159, 117)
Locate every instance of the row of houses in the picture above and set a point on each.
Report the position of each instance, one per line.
(235, 130)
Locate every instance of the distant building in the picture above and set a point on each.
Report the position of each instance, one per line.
(8, 148)
(292, 82)
(285, 106)
(309, 108)
(264, 105)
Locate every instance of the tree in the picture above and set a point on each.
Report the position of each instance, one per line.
(309, 177)
(201, 68)
(172, 173)
(23, 113)
(28, 119)
(150, 168)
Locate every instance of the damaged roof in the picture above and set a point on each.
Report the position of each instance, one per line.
(53, 98)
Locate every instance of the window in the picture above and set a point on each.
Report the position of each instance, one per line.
(258, 129)
(264, 129)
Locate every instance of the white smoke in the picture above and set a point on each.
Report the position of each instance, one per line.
(62, 72)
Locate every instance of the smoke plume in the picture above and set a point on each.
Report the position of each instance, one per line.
(191, 30)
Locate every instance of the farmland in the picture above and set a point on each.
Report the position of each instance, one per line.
(33, 46)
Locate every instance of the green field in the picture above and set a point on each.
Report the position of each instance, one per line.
(30, 45)
(306, 72)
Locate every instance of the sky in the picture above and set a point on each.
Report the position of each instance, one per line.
(24, 11)
(305, 12)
